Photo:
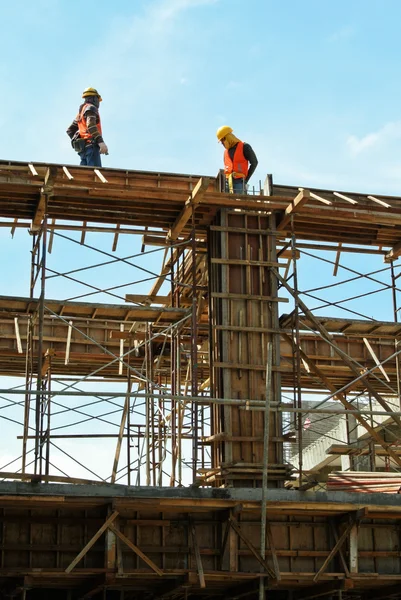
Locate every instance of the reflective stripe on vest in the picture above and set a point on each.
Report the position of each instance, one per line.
(81, 120)
(239, 165)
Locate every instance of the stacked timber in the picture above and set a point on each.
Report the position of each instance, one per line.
(364, 482)
(243, 471)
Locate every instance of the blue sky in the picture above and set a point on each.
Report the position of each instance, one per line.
(314, 86)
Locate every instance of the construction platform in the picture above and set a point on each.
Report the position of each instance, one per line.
(179, 543)
(214, 372)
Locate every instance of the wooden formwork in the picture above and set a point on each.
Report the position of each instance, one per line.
(243, 304)
(127, 544)
(78, 542)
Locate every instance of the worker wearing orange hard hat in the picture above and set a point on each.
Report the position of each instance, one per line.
(240, 160)
(85, 131)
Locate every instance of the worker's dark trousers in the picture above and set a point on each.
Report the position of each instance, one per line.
(90, 156)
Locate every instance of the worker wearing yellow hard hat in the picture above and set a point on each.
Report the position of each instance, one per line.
(85, 131)
(240, 160)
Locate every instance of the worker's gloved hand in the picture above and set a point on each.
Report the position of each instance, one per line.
(103, 148)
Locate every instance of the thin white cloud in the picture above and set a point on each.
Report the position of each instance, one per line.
(168, 9)
(382, 137)
(341, 34)
(234, 85)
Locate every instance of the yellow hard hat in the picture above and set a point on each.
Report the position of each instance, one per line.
(91, 92)
(223, 131)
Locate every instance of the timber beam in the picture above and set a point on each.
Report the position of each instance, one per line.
(295, 206)
(45, 192)
(190, 205)
(394, 253)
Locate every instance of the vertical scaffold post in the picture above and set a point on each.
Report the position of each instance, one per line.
(396, 342)
(297, 365)
(194, 354)
(265, 464)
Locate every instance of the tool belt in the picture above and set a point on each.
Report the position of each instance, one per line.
(78, 143)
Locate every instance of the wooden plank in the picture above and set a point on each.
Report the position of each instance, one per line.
(190, 205)
(340, 552)
(46, 190)
(99, 174)
(273, 551)
(137, 550)
(198, 559)
(369, 347)
(89, 545)
(334, 551)
(39, 213)
(295, 206)
(251, 547)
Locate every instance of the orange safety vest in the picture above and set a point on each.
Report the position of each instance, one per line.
(81, 120)
(239, 165)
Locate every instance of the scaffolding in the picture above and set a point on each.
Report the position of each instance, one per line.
(203, 381)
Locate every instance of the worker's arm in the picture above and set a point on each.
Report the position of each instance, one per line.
(73, 128)
(92, 126)
(251, 158)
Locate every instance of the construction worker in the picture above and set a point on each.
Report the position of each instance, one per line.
(86, 130)
(240, 161)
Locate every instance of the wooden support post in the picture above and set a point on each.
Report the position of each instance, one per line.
(121, 434)
(353, 548)
(111, 550)
(394, 253)
(115, 240)
(337, 261)
(68, 345)
(198, 559)
(17, 335)
(46, 191)
(120, 565)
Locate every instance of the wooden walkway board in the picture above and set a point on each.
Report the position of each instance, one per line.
(140, 198)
